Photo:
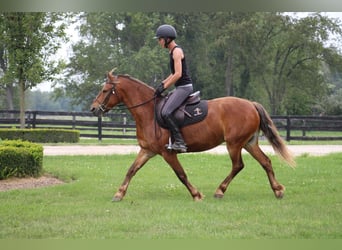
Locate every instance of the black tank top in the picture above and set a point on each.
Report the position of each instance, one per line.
(185, 78)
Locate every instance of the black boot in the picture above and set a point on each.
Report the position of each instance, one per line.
(179, 144)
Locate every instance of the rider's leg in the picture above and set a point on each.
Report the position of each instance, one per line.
(179, 144)
(174, 101)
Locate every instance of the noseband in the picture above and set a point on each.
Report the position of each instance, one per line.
(103, 106)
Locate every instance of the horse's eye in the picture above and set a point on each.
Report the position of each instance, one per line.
(104, 91)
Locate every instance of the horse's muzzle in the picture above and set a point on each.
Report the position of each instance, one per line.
(96, 111)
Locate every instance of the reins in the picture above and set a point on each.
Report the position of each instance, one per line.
(103, 105)
(135, 106)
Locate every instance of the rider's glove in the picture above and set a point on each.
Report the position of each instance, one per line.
(159, 90)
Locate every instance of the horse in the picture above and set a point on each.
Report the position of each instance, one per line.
(232, 120)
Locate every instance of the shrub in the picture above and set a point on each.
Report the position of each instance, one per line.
(20, 159)
(41, 135)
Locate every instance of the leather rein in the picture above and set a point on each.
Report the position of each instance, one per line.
(103, 105)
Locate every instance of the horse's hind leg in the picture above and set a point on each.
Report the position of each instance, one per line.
(265, 162)
(237, 166)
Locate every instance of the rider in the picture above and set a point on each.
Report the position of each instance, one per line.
(179, 77)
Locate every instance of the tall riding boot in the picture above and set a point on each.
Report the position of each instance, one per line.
(179, 144)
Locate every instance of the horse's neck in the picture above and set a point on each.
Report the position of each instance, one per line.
(137, 101)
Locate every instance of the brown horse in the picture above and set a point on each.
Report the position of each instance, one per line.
(232, 120)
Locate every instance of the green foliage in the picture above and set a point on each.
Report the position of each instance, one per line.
(113, 40)
(277, 59)
(41, 135)
(28, 41)
(20, 159)
(266, 57)
(277, 56)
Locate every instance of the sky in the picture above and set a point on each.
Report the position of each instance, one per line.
(66, 50)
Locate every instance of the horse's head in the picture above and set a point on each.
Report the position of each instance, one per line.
(107, 98)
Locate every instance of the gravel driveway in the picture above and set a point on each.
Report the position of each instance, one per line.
(131, 149)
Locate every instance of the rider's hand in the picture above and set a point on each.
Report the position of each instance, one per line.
(159, 90)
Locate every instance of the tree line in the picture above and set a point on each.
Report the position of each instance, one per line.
(284, 62)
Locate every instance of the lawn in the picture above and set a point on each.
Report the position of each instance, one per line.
(158, 206)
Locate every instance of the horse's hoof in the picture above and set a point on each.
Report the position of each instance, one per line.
(219, 193)
(116, 199)
(198, 197)
(279, 194)
(218, 196)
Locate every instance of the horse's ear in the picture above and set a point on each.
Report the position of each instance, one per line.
(111, 74)
(112, 71)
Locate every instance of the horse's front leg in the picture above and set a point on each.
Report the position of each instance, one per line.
(172, 160)
(142, 157)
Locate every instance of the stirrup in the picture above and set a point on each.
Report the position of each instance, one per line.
(176, 147)
(169, 146)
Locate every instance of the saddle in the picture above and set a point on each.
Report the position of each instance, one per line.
(192, 110)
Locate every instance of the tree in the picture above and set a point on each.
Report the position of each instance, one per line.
(272, 58)
(332, 68)
(124, 41)
(29, 39)
(278, 57)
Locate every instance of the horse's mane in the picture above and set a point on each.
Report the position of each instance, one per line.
(135, 80)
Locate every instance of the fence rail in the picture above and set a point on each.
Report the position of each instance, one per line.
(122, 126)
(111, 126)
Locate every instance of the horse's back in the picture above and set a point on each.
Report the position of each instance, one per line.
(238, 116)
(235, 107)
(230, 119)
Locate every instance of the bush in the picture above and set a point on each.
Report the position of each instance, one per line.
(41, 135)
(20, 159)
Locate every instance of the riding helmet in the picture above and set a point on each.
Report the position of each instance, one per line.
(166, 31)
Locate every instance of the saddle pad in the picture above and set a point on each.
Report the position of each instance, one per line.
(197, 111)
(193, 113)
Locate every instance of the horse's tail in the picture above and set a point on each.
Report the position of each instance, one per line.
(272, 135)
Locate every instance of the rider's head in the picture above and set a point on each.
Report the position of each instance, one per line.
(167, 33)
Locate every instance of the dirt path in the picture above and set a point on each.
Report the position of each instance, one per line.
(131, 149)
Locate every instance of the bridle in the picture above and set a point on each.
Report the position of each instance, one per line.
(113, 91)
(103, 106)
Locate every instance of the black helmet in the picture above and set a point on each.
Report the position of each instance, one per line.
(166, 31)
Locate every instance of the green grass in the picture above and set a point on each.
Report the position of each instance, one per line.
(158, 206)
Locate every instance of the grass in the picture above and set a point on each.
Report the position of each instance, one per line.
(157, 205)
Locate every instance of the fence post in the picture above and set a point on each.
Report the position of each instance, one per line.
(27, 119)
(34, 113)
(304, 128)
(124, 123)
(73, 120)
(99, 128)
(30, 119)
(288, 128)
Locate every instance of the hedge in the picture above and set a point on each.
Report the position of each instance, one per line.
(20, 159)
(41, 135)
